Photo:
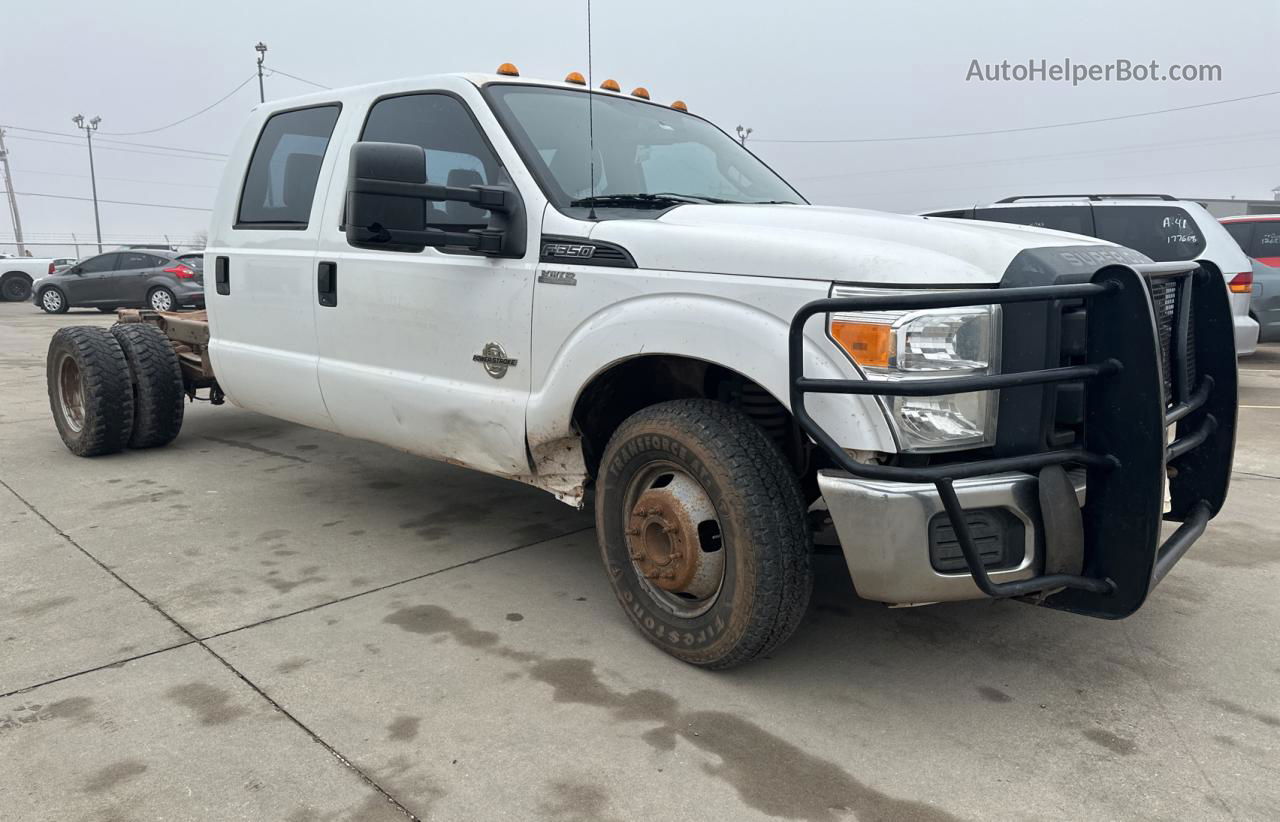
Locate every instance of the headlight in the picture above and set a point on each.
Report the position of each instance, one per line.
(896, 346)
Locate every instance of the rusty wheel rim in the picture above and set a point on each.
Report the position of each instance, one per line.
(674, 539)
(70, 393)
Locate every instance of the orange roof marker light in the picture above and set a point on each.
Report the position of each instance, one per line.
(679, 105)
(508, 70)
(611, 85)
(641, 92)
(576, 78)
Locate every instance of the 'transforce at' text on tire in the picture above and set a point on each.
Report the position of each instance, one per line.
(90, 392)
(158, 395)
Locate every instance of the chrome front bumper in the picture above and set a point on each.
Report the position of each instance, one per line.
(883, 527)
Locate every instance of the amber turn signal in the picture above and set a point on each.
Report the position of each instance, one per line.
(868, 343)
(576, 78)
(509, 70)
(611, 85)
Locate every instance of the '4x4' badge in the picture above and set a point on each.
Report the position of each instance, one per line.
(495, 360)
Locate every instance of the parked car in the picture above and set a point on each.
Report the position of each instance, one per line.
(18, 273)
(430, 264)
(153, 279)
(1259, 237)
(1264, 302)
(1162, 227)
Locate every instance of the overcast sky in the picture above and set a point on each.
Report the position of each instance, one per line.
(792, 70)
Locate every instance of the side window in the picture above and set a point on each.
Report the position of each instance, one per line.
(98, 264)
(457, 154)
(131, 259)
(1266, 239)
(1076, 219)
(281, 182)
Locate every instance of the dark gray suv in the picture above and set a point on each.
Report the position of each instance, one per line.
(129, 278)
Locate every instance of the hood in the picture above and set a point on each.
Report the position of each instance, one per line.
(828, 243)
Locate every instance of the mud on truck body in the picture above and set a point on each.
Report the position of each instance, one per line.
(652, 318)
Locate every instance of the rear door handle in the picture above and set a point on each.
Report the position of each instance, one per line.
(222, 275)
(327, 284)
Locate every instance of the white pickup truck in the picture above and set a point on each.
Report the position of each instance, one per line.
(18, 273)
(615, 301)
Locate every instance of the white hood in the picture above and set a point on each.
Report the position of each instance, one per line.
(828, 243)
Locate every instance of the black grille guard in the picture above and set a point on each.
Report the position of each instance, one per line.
(1125, 450)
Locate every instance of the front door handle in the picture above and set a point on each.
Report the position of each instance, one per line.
(327, 284)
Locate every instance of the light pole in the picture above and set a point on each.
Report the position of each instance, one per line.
(89, 128)
(261, 48)
(743, 134)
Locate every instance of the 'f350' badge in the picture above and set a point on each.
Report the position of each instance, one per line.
(495, 360)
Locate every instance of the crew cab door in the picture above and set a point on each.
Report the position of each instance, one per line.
(398, 331)
(261, 308)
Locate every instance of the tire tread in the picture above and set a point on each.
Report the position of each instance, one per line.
(158, 393)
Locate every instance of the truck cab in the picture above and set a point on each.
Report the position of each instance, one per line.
(611, 299)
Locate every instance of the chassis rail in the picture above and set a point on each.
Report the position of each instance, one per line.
(1125, 450)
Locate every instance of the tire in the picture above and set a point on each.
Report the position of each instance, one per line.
(158, 393)
(90, 392)
(161, 299)
(53, 301)
(15, 287)
(661, 470)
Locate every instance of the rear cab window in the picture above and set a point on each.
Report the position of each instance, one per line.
(1163, 233)
(280, 185)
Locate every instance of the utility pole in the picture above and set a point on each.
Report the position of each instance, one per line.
(261, 48)
(13, 198)
(89, 128)
(743, 134)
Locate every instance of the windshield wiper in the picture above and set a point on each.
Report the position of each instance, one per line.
(642, 200)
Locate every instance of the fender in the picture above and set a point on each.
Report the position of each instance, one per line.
(713, 328)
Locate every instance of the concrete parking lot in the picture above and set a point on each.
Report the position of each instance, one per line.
(266, 622)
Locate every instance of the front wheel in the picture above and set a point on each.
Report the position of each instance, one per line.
(15, 287)
(53, 301)
(160, 299)
(702, 528)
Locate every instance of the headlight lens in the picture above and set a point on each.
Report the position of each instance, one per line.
(894, 346)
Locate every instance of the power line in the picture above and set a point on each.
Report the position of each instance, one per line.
(215, 103)
(123, 150)
(117, 142)
(119, 179)
(112, 202)
(299, 79)
(912, 138)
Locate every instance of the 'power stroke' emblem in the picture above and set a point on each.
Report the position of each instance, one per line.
(495, 360)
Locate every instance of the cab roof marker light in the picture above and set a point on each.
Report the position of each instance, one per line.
(576, 78)
(611, 85)
(641, 92)
(508, 70)
(679, 105)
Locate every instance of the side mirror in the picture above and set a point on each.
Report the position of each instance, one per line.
(75, 269)
(389, 203)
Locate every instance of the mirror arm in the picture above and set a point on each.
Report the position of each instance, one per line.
(492, 198)
(484, 241)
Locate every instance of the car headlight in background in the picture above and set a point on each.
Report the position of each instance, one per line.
(896, 346)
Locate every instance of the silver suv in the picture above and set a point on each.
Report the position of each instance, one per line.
(1164, 228)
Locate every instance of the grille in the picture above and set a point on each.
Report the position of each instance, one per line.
(1164, 299)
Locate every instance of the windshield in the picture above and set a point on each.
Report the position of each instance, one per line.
(663, 155)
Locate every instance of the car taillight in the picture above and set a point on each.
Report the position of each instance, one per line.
(1241, 283)
(51, 267)
(183, 273)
